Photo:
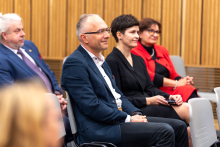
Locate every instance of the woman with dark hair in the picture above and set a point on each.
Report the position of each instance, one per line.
(132, 78)
(159, 64)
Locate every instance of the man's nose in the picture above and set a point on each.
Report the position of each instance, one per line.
(22, 33)
(106, 34)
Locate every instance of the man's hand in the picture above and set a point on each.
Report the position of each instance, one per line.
(138, 118)
(157, 100)
(177, 98)
(63, 103)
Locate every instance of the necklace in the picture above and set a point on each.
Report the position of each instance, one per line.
(152, 53)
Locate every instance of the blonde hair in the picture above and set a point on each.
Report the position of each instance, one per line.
(22, 111)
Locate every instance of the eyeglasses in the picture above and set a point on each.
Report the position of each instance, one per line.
(152, 32)
(101, 31)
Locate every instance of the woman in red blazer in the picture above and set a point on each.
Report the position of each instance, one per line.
(159, 64)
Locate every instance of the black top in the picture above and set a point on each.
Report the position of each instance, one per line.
(160, 70)
(134, 82)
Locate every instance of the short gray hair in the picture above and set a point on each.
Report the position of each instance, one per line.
(4, 22)
(81, 24)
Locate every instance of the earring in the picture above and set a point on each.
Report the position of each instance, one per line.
(119, 38)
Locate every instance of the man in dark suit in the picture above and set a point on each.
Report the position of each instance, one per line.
(21, 60)
(102, 112)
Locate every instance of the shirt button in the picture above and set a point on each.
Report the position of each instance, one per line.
(113, 101)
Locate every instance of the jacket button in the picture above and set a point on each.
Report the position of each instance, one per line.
(166, 64)
(113, 101)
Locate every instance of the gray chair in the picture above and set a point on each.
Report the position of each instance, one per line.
(217, 92)
(56, 100)
(202, 124)
(74, 128)
(180, 69)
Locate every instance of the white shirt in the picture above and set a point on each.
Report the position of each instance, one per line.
(99, 61)
(24, 52)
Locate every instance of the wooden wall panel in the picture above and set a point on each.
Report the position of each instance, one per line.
(6, 6)
(95, 7)
(22, 8)
(189, 27)
(191, 31)
(57, 28)
(109, 16)
(74, 10)
(40, 26)
(153, 10)
(171, 26)
(210, 33)
(133, 7)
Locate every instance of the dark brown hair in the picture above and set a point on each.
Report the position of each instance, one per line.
(121, 23)
(146, 23)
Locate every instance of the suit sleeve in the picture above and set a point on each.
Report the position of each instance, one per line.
(136, 101)
(76, 80)
(5, 75)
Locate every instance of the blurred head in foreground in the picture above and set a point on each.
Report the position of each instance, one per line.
(28, 118)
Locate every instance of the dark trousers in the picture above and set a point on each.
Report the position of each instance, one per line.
(160, 132)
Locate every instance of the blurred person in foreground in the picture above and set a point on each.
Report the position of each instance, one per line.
(28, 117)
(21, 60)
(102, 112)
(159, 64)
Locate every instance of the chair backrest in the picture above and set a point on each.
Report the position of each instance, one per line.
(178, 64)
(202, 124)
(71, 114)
(56, 100)
(217, 92)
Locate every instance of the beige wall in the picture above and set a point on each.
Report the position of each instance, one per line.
(189, 27)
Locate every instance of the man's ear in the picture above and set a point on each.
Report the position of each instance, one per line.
(84, 38)
(3, 34)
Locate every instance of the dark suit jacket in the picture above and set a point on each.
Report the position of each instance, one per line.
(13, 68)
(134, 82)
(97, 115)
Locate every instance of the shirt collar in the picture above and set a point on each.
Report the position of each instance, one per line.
(98, 60)
(13, 50)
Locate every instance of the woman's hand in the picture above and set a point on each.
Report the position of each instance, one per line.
(157, 100)
(190, 80)
(182, 82)
(185, 81)
(177, 98)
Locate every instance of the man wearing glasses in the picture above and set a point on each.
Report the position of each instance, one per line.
(102, 112)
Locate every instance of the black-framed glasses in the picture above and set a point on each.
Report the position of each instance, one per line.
(152, 32)
(101, 31)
